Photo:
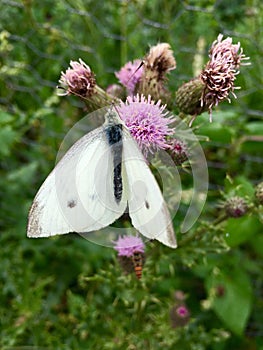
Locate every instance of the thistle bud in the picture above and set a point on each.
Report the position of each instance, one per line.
(236, 207)
(180, 315)
(259, 193)
(188, 97)
(179, 151)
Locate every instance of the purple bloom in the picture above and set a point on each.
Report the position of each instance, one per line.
(147, 122)
(180, 315)
(129, 76)
(216, 81)
(182, 311)
(127, 246)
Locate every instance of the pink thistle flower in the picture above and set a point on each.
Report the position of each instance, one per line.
(129, 76)
(78, 80)
(220, 72)
(215, 82)
(127, 246)
(147, 121)
(182, 311)
(180, 315)
(228, 52)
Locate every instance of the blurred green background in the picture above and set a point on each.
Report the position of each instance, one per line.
(67, 293)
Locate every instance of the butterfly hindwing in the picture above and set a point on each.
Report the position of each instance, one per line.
(147, 208)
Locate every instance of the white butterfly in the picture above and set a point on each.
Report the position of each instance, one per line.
(92, 185)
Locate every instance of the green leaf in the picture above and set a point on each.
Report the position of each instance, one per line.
(253, 146)
(255, 128)
(24, 175)
(239, 186)
(230, 295)
(218, 130)
(239, 230)
(5, 118)
(7, 138)
(257, 244)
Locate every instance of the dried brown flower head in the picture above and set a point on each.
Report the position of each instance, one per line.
(159, 61)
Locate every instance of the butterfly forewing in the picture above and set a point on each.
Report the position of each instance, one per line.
(78, 195)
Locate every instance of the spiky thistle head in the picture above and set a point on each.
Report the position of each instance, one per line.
(215, 82)
(128, 245)
(131, 254)
(236, 207)
(147, 121)
(180, 315)
(79, 80)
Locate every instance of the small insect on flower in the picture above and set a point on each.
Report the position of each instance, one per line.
(138, 261)
(130, 254)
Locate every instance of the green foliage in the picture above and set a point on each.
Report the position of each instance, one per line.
(233, 303)
(67, 293)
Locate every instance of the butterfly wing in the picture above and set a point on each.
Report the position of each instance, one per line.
(78, 194)
(147, 208)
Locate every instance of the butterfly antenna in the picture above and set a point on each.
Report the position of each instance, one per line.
(136, 70)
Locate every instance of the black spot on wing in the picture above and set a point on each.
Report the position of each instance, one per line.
(72, 203)
(147, 205)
